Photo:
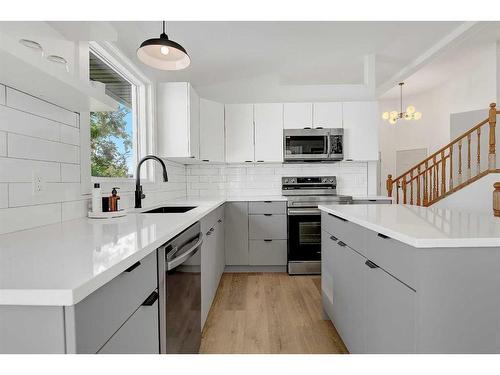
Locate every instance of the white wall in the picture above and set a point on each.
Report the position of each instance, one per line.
(472, 86)
(265, 179)
(39, 138)
(476, 197)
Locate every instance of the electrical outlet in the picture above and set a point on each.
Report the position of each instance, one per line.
(37, 184)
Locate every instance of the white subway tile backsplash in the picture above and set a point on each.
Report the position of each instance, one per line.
(21, 170)
(75, 209)
(15, 121)
(70, 172)
(24, 147)
(3, 144)
(70, 135)
(27, 103)
(13, 219)
(265, 179)
(4, 195)
(22, 194)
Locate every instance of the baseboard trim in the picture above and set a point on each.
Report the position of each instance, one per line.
(255, 269)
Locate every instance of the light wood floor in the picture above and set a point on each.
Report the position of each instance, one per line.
(269, 313)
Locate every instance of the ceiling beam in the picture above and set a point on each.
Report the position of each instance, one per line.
(451, 40)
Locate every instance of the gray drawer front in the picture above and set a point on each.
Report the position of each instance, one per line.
(139, 334)
(267, 253)
(267, 207)
(272, 227)
(352, 234)
(396, 258)
(102, 313)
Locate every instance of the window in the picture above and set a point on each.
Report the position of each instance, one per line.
(113, 134)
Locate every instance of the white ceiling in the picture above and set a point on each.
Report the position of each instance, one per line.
(286, 61)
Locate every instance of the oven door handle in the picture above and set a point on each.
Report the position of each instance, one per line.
(304, 211)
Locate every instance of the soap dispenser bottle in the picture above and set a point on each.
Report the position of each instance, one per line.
(114, 200)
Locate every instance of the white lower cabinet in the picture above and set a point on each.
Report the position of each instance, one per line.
(139, 334)
(390, 314)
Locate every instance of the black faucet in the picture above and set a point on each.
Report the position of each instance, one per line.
(139, 195)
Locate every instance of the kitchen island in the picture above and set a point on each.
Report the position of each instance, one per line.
(408, 279)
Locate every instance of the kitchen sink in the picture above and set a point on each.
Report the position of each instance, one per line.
(170, 210)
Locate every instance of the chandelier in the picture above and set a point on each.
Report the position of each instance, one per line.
(410, 113)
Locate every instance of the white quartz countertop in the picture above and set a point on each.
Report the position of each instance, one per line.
(423, 227)
(61, 264)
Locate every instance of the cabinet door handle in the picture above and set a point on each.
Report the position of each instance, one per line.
(248, 161)
(219, 221)
(333, 238)
(205, 160)
(268, 240)
(340, 243)
(268, 214)
(382, 236)
(151, 299)
(370, 264)
(133, 267)
(337, 217)
(260, 161)
(267, 202)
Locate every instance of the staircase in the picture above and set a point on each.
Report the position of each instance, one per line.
(443, 172)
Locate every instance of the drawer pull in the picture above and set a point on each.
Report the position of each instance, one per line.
(268, 214)
(133, 267)
(333, 238)
(206, 160)
(340, 243)
(268, 240)
(219, 221)
(370, 264)
(337, 217)
(151, 299)
(383, 236)
(267, 201)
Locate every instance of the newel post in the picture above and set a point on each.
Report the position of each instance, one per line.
(496, 199)
(388, 185)
(492, 158)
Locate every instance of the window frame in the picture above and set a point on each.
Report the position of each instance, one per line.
(142, 108)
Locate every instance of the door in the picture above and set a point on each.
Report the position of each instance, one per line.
(211, 131)
(360, 121)
(239, 133)
(327, 115)
(327, 264)
(268, 132)
(349, 296)
(236, 238)
(304, 236)
(297, 115)
(390, 313)
(208, 272)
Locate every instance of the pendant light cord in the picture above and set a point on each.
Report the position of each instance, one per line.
(164, 26)
(401, 98)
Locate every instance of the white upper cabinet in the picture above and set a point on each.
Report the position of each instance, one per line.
(239, 133)
(327, 115)
(298, 115)
(178, 120)
(360, 120)
(211, 131)
(268, 119)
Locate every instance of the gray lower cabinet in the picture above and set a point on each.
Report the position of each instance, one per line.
(390, 314)
(93, 321)
(212, 260)
(373, 311)
(236, 239)
(138, 335)
(267, 226)
(267, 252)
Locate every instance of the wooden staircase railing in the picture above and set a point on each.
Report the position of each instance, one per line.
(433, 178)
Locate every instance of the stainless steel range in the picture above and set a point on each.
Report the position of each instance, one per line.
(304, 219)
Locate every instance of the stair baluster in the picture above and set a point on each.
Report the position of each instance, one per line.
(478, 151)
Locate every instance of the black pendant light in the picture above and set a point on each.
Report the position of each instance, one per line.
(163, 53)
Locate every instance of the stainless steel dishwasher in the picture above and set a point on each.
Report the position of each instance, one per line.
(179, 277)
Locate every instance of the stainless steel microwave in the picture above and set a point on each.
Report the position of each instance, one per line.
(324, 145)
